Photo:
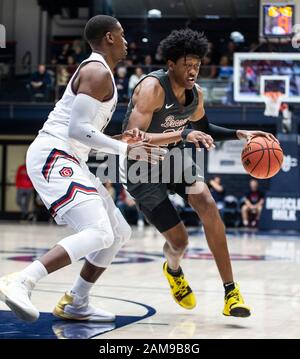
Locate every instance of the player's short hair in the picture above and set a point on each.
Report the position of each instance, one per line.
(98, 26)
(182, 43)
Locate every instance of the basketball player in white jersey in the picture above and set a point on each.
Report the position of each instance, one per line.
(56, 164)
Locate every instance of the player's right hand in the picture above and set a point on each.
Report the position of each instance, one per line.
(198, 137)
(145, 151)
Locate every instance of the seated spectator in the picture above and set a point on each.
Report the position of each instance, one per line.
(78, 55)
(158, 57)
(213, 53)
(121, 80)
(65, 52)
(134, 79)
(253, 205)
(129, 64)
(64, 73)
(225, 70)
(207, 69)
(26, 62)
(52, 70)
(133, 53)
(218, 192)
(71, 65)
(62, 79)
(147, 66)
(40, 83)
(229, 53)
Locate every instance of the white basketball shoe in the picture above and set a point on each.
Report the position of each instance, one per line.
(15, 292)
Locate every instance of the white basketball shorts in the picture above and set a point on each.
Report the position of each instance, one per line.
(61, 180)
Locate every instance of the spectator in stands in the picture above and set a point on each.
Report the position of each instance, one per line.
(40, 83)
(64, 73)
(158, 57)
(134, 79)
(78, 55)
(147, 66)
(52, 69)
(71, 65)
(26, 62)
(24, 190)
(62, 79)
(213, 54)
(133, 53)
(121, 80)
(62, 57)
(253, 205)
(207, 70)
(231, 49)
(225, 70)
(128, 63)
(218, 192)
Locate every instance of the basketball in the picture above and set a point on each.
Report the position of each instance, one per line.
(262, 158)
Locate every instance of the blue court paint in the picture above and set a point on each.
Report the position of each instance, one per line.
(50, 327)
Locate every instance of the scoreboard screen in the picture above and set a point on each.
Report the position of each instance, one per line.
(278, 20)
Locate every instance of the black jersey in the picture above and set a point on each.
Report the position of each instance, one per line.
(172, 116)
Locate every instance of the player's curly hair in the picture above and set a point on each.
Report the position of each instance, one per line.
(182, 43)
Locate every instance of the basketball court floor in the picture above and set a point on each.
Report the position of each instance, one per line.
(267, 266)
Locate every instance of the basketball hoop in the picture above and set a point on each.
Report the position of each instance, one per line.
(273, 101)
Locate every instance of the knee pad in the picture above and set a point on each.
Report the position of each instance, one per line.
(104, 257)
(87, 241)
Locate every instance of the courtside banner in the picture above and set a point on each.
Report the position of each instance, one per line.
(226, 158)
(281, 211)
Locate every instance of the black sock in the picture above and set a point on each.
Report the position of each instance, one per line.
(174, 273)
(228, 287)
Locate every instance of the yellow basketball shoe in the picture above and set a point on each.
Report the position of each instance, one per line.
(235, 305)
(74, 307)
(180, 289)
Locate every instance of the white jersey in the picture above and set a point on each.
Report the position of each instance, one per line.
(58, 120)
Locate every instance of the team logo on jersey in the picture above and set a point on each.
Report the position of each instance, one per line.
(66, 172)
(170, 121)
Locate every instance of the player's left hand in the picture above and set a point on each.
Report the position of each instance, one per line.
(134, 135)
(248, 135)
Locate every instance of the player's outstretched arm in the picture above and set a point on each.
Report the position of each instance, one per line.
(218, 133)
(95, 87)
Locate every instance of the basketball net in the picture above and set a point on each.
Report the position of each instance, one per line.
(273, 101)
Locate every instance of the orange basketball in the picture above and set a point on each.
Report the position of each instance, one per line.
(261, 157)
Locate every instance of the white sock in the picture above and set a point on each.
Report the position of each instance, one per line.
(81, 287)
(36, 271)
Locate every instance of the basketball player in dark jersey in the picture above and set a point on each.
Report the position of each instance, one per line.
(162, 105)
